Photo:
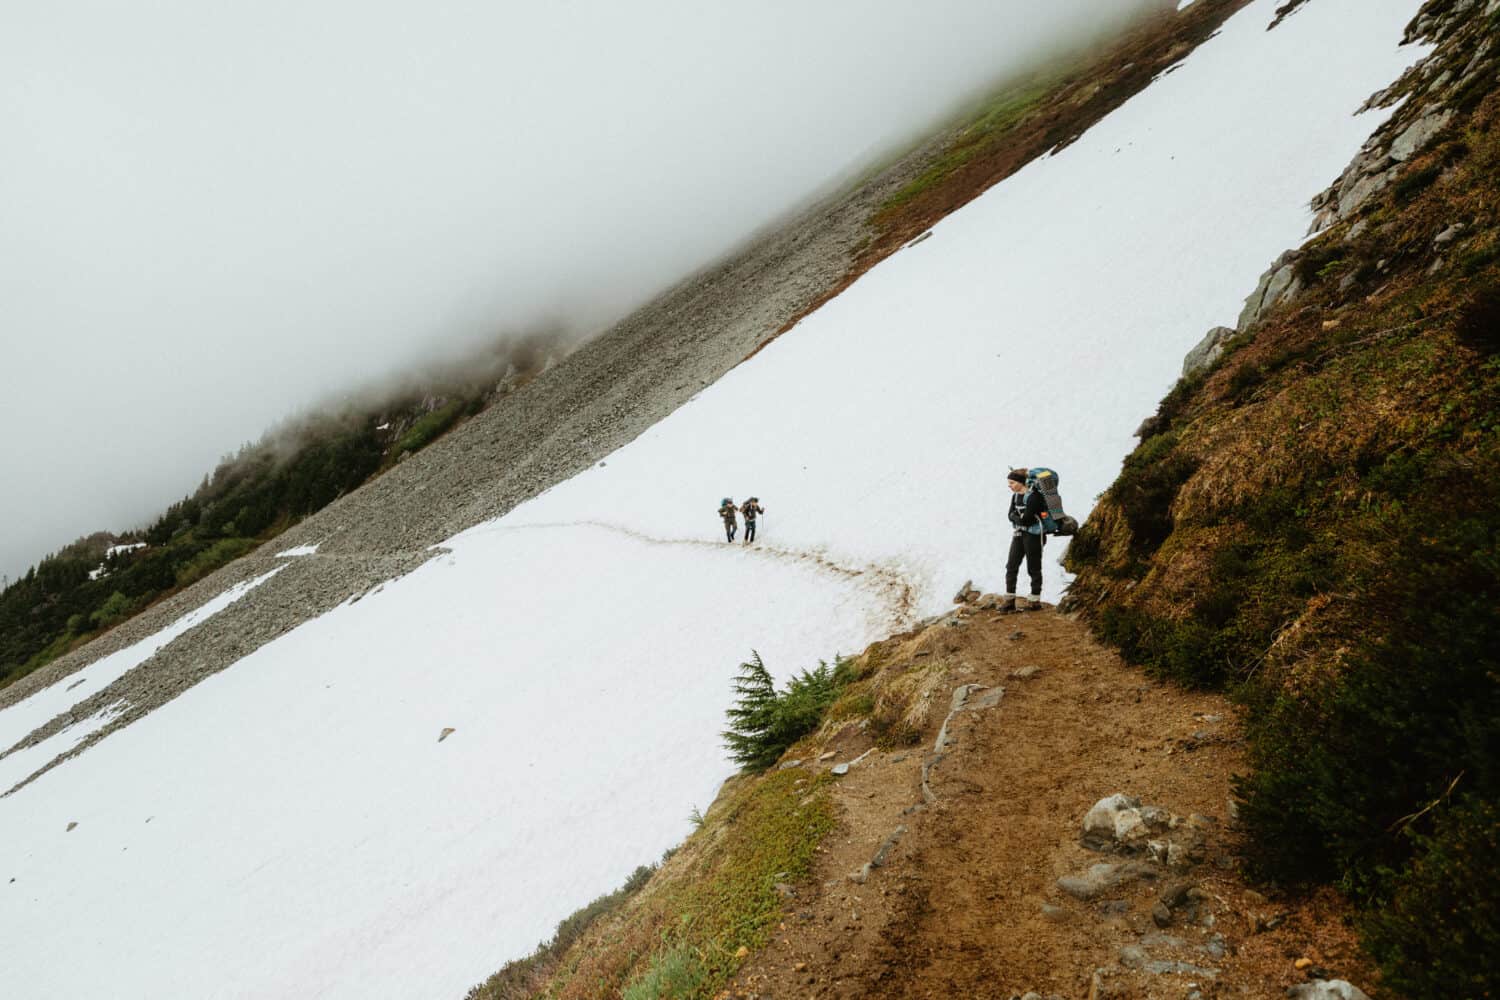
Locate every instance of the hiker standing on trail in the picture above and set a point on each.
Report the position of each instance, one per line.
(751, 509)
(726, 511)
(1026, 510)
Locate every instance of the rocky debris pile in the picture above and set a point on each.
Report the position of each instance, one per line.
(1187, 930)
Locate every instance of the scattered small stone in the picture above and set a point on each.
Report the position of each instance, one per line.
(966, 594)
(1180, 969)
(1327, 989)
(742, 953)
(447, 732)
(828, 756)
(1161, 915)
(72, 825)
(1254, 898)
(800, 967)
(785, 889)
(1132, 956)
(787, 765)
(840, 769)
(899, 758)
(1017, 636)
(1025, 673)
(1055, 913)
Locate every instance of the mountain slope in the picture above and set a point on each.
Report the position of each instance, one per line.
(416, 860)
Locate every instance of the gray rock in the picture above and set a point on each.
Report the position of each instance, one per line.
(1209, 350)
(1161, 914)
(840, 769)
(1176, 894)
(1103, 820)
(1132, 956)
(1278, 285)
(1448, 235)
(1418, 134)
(1103, 877)
(1327, 989)
(1025, 673)
(787, 765)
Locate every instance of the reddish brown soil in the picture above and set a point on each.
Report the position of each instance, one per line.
(957, 910)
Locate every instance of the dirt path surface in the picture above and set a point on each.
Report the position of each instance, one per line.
(954, 890)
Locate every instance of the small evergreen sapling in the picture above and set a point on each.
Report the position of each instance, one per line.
(763, 723)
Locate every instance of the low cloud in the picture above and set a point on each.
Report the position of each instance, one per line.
(216, 215)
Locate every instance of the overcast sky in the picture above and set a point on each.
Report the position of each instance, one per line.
(214, 214)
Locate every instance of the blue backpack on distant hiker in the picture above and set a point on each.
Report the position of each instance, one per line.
(1054, 521)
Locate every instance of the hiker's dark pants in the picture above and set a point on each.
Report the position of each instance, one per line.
(728, 532)
(750, 531)
(1024, 543)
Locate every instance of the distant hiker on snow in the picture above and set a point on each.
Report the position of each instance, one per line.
(751, 509)
(726, 511)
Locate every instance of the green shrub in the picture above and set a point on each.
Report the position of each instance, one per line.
(429, 427)
(1418, 704)
(117, 607)
(218, 554)
(678, 972)
(1148, 483)
(1439, 935)
(763, 722)
(1414, 182)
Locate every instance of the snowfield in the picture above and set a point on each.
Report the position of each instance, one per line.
(293, 827)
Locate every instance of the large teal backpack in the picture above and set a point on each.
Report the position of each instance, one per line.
(1054, 520)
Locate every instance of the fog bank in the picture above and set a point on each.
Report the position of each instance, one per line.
(216, 214)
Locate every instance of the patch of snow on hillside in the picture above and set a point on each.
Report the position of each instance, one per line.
(20, 765)
(18, 721)
(295, 829)
(299, 550)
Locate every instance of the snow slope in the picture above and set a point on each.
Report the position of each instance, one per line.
(292, 827)
(28, 714)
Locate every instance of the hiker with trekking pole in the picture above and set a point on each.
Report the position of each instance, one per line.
(751, 509)
(1036, 512)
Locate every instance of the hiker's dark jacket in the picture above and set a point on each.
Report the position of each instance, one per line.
(727, 512)
(752, 510)
(1026, 510)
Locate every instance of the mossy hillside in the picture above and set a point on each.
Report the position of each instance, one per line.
(1312, 523)
(676, 930)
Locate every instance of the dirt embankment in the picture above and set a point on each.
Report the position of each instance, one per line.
(977, 882)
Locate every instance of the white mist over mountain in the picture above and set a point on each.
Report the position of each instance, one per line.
(216, 214)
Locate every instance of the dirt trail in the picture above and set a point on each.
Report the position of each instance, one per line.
(967, 901)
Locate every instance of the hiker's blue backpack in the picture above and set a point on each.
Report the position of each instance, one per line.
(1054, 520)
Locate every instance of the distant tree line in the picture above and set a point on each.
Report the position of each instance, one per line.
(251, 497)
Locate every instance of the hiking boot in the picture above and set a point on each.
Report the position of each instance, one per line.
(1007, 603)
(1035, 604)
